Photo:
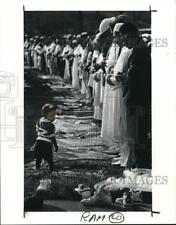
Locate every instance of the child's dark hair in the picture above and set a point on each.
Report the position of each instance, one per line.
(47, 108)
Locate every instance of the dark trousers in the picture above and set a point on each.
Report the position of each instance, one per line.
(43, 150)
(138, 126)
(61, 67)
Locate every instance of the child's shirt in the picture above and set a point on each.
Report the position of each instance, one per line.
(46, 130)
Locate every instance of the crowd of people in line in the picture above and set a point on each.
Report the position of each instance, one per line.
(112, 69)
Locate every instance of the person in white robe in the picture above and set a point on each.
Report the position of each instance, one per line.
(87, 71)
(92, 71)
(83, 73)
(106, 129)
(115, 81)
(75, 68)
(57, 52)
(40, 56)
(35, 55)
(45, 49)
(97, 76)
(26, 51)
(67, 51)
(105, 89)
(30, 49)
(32, 53)
(50, 56)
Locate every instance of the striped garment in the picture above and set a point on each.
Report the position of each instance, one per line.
(45, 130)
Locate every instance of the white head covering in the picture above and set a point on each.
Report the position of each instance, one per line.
(96, 38)
(147, 39)
(117, 27)
(105, 24)
(74, 41)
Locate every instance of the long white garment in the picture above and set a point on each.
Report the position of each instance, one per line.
(26, 51)
(47, 56)
(51, 57)
(66, 51)
(36, 56)
(40, 51)
(94, 57)
(97, 91)
(83, 73)
(119, 107)
(57, 49)
(87, 77)
(106, 129)
(32, 53)
(117, 112)
(75, 68)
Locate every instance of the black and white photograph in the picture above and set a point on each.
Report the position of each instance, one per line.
(87, 110)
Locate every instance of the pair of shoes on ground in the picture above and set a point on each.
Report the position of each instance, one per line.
(101, 197)
(129, 199)
(84, 191)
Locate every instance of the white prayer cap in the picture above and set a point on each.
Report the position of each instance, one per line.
(74, 41)
(105, 24)
(83, 34)
(78, 36)
(95, 40)
(117, 27)
(97, 37)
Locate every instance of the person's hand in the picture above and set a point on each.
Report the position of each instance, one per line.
(120, 77)
(92, 71)
(104, 64)
(109, 81)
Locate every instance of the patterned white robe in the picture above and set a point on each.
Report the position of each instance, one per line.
(106, 129)
(75, 68)
(117, 108)
(67, 51)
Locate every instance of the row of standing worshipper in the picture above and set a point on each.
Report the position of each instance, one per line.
(121, 85)
(113, 72)
(51, 55)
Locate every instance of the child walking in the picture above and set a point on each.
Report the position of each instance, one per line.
(46, 137)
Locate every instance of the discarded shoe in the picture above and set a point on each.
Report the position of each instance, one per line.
(136, 196)
(44, 185)
(118, 193)
(125, 201)
(100, 198)
(84, 191)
